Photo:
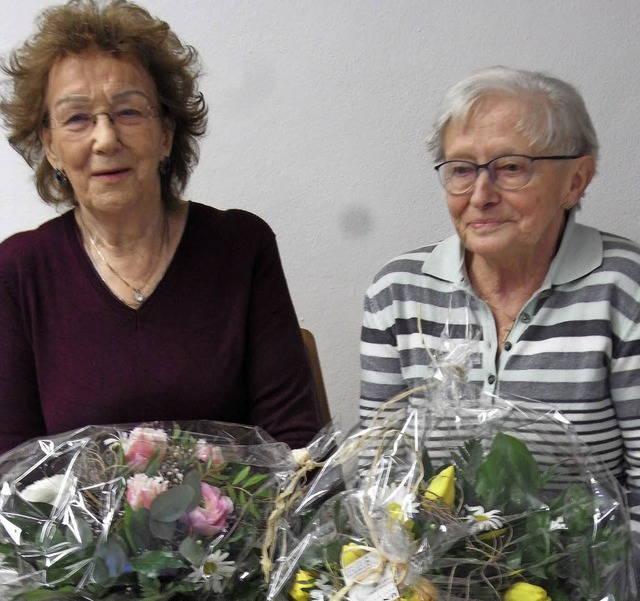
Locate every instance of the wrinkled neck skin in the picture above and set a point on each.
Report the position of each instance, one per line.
(504, 276)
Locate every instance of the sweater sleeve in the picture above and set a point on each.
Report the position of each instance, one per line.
(279, 375)
(19, 402)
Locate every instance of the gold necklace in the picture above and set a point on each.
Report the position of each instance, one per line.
(507, 328)
(138, 295)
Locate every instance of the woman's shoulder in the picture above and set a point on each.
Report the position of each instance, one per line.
(614, 244)
(238, 219)
(409, 264)
(36, 242)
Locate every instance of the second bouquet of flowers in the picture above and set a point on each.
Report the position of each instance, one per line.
(155, 511)
(456, 498)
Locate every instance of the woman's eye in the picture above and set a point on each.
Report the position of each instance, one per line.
(462, 170)
(77, 119)
(510, 168)
(127, 112)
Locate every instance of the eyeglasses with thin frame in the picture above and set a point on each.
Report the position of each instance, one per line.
(508, 172)
(77, 121)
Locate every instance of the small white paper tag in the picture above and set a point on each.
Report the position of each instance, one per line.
(384, 590)
(358, 568)
(367, 584)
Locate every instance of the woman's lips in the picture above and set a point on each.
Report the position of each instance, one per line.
(111, 174)
(485, 223)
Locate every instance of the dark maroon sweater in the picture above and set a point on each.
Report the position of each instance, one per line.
(218, 339)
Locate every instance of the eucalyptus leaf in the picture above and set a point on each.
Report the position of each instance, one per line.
(137, 530)
(192, 550)
(193, 481)
(162, 530)
(169, 505)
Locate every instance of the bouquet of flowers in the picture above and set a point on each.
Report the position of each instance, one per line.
(459, 500)
(149, 512)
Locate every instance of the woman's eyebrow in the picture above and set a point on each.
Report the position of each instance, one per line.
(80, 99)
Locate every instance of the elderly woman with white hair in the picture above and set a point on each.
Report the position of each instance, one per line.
(553, 304)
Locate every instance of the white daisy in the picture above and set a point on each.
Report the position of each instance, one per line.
(483, 521)
(213, 571)
(400, 502)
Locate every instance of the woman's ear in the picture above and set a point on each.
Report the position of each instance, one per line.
(583, 172)
(168, 127)
(47, 144)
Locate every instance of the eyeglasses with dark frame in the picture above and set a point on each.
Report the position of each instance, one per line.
(508, 172)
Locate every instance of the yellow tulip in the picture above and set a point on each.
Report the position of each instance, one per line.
(300, 589)
(443, 486)
(350, 552)
(523, 591)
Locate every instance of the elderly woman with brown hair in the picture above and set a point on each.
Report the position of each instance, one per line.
(134, 305)
(554, 304)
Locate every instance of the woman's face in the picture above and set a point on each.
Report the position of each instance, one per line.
(110, 166)
(499, 224)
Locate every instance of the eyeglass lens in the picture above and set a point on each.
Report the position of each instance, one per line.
(508, 172)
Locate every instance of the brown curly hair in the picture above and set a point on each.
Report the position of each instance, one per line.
(125, 30)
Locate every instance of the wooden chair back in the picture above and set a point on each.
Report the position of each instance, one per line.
(316, 371)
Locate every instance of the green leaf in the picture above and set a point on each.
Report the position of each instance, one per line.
(508, 476)
(427, 466)
(136, 528)
(255, 479)
(169, 505)
(467, 462)
(192, 550)
(151, 564)
(579, 509)
(251, 508)
(162, 530)
(193, 481)
(153, 467)
(66, 593)
(82, 535)
(241, 475)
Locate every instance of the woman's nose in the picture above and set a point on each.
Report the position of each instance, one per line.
(105, 134)
(484, 190)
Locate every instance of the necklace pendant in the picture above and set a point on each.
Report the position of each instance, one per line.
(138, 296)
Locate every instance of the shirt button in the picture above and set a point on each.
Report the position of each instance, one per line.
(507, 346)
(526, 318)
(491, 379)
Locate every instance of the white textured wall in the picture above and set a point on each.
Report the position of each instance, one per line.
(318, 114)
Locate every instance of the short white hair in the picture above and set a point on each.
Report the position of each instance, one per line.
(558, 123)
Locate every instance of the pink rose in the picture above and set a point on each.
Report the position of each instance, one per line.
(142, 445)
(213, 513)
(207, 452)
(143, 489)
